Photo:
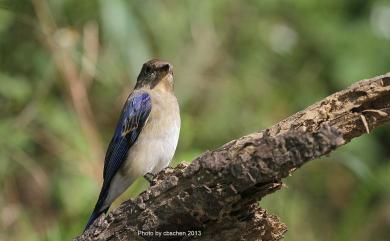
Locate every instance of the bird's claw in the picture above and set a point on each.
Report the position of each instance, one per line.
(149, 177)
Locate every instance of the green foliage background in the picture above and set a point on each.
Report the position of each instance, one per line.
(66, 67)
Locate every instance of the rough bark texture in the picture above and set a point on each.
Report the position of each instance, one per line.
(215, 197)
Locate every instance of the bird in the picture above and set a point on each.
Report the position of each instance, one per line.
(145, 137)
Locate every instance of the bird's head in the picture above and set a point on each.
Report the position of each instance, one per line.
(156, 74)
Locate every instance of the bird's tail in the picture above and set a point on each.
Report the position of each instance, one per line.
(100, 207)
(95, 214)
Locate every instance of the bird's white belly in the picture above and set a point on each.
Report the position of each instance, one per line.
(153, 150)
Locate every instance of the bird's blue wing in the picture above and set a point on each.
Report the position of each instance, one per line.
(133, 118)
(130, 124)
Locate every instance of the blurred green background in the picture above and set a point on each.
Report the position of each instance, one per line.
(66, 67)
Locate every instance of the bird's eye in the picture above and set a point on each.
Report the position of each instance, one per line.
(148, 70)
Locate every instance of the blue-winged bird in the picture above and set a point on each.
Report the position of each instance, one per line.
(145, 137)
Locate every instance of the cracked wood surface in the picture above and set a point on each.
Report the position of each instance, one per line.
(217, 193)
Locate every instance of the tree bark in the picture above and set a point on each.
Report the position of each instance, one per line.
(216, 196)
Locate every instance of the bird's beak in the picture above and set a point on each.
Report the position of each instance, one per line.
(167, 68)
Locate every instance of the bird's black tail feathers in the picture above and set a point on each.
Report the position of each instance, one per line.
(95, 214)
(98, 210)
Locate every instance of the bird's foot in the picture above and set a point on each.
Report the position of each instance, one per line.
(149, 177)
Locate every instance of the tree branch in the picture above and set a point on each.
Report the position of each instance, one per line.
(215, 197)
